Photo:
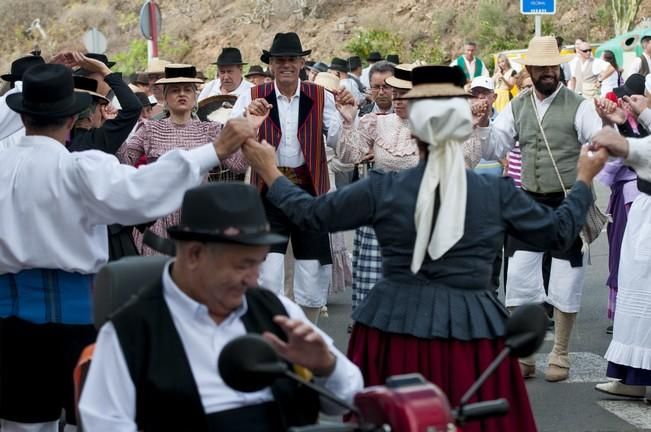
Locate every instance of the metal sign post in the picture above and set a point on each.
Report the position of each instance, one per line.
(150, 27)
(538, 8)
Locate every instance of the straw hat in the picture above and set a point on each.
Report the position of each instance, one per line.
(180, 73)
(401, 78)
(543, 51)
(436, 82)
(157, 66)
(327, 80)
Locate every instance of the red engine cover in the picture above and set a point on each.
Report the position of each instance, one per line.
(413, 408)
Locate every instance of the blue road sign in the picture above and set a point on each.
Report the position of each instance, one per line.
(538, 7)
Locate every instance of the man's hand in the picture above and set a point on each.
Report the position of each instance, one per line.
(481, 112)
(262, 158)
(609, 112)
(590, 163)
(232, 137)
(343, 97)
(609, 139)
(257, 111)
(638, 103)
(348, 112)
(64, 58)
(304, 346)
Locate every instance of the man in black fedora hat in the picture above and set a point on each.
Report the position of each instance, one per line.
(257, 75)
(207, 296)
(341, 68)
(229, 76)
(55, 210)
(355, 68)
(293, 115)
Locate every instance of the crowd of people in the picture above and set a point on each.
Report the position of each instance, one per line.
(450, 176)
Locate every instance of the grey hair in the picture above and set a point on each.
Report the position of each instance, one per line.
(382, 66)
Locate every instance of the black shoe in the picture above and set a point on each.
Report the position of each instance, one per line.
(609, 329)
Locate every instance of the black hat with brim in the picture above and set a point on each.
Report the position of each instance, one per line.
(354, 62)
(102, 58)
(284, 45)
(339, 64)
(224, 213)
(48, 91)
(19, 66)
(256, 70)
(634, 85)
(374, 57)
(230, 57)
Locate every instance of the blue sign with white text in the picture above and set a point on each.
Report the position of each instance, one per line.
(538, 7)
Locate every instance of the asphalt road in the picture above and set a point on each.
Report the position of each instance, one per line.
(570, 406)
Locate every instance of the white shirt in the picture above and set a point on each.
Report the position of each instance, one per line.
(55, 205)
(635, 65)
(289, 153)
(10, 121)
(611, 80)
(470, 67)
(501, 136)
(12, 139)
(108, 401)
(213, 88)
(365, 77)
(350, 85)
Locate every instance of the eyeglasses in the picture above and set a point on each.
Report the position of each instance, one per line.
(386, 88)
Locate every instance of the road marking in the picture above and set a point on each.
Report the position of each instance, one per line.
(635, 412)
(586, 367)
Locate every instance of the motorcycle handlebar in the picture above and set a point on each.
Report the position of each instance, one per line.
(480, 410)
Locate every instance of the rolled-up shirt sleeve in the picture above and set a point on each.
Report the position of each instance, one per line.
(332, 120)
(117, 193)
(345, 380)
(500, 137)
(639, 156)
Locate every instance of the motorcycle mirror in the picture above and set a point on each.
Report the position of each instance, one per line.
(249, 364)
(526, 329)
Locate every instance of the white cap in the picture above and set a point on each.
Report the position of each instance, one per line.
(647, 83)
(483, 82)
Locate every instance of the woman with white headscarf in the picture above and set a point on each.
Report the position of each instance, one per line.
(439, 227)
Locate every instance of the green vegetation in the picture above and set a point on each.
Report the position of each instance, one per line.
(135, 58)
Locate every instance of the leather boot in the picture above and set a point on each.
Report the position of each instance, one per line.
(558, 362)
(312, 313)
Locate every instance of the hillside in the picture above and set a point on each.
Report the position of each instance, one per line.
(195, 30)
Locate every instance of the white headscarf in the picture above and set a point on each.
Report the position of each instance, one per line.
(444, 124)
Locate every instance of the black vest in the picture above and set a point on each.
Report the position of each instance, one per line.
(167, 397)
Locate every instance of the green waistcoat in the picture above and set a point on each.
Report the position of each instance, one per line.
(538, 173)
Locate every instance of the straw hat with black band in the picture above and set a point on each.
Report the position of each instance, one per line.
(439, 115)
(401, 78)
(327, 80)
(179, 74)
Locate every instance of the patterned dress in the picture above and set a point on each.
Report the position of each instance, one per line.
(155, 138)
(389, 138)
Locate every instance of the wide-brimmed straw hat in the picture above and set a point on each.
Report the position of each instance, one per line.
(543, 51)
(88, 85)
(402, 77)
(436, 82)
(327, 80)
(180, 73)
(157, 66)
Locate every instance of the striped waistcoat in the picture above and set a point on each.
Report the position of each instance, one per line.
(310, 131)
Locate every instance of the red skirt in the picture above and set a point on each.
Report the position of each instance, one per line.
(453, 365)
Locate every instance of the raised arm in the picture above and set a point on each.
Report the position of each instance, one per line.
(356, 141)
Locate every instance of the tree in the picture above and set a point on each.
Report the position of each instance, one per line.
(624, 12)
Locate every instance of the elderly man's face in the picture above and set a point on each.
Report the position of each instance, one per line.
(380, 90)
(221, 273)
(230, 77)
(545, 78)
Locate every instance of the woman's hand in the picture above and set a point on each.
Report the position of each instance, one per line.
(262, 158)
(609, 112)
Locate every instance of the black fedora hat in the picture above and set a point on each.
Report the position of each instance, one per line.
(19, 66)
(354, 62)
(256, 70)
(634, 85)
(393, 58)
(319, 67)
(374, 57)
(339, 64)
(48, 91)
(88, 85)
(229, 56)
(144, 99)
(224, 213)
(284, 45)
(95, 56)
